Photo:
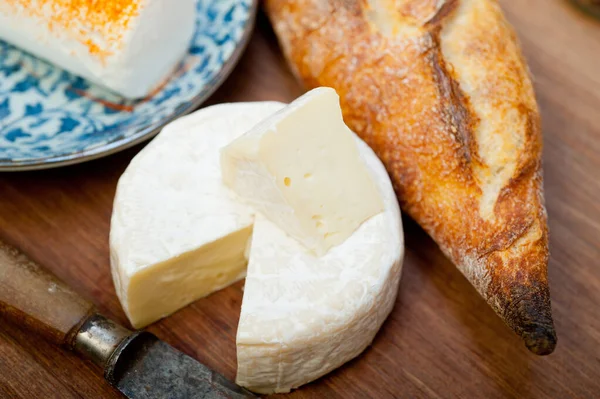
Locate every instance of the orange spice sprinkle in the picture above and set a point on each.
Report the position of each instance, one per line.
(97, 24)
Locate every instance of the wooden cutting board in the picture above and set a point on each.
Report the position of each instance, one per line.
(442, 340)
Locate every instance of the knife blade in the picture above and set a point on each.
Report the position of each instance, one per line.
(137, 363)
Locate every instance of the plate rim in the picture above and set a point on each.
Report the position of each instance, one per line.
(150, 131)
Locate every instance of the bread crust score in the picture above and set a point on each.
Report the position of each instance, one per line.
(440, 90)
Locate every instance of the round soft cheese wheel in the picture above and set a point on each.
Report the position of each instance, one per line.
(178, 234)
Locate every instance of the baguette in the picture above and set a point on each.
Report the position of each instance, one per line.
(440, 90)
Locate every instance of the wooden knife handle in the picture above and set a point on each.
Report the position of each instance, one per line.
(33, 297)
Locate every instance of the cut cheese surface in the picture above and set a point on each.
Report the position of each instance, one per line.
(177, 233)
(301, 168)
(303, 316)
(128, 46)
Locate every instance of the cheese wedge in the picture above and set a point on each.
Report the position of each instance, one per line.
(128, 46)
(301, 168)
(178, 233)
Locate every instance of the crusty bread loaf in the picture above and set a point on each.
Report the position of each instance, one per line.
(441, 92)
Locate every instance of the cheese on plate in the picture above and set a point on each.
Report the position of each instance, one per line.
(178, 233)
(128, 46)
(301, 168)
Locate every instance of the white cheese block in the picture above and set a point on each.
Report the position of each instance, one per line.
(303, 316)
(302, 170)
(177, 234)
(128, 46)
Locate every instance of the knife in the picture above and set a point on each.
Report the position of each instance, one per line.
(136, 363)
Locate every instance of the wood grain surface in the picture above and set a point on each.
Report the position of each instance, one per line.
(441, 340)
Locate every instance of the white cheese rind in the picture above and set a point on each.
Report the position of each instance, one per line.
(130, 58)
(303, 316)
(177, 233)
(301, 168)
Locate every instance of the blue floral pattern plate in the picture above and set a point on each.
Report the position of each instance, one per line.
(49, 117)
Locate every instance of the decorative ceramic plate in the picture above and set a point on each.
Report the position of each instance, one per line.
(49, 117)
